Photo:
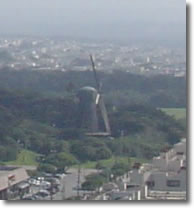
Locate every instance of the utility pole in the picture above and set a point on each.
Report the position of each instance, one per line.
(107, 175)
(51, 191)
(8, 190)
(63, 190)
(78, 180)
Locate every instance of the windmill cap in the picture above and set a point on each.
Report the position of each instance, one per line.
(88, 88)
(87, 93)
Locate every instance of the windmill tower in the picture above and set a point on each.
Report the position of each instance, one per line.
(92, 108)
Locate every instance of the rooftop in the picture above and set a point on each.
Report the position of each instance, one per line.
(11, 176)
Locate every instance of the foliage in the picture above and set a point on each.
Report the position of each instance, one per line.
(108, 163)
(100, 166)
(25, 157)
(177, 113)
(40, 115)
(62, 160)
(71, 134)
(119, 169)
(146, 122)
(8, 153)
(158, 90)
(93, 181)
(48, 168)
(90, 149)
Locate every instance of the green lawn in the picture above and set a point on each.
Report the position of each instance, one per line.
(110, 162)
(178, 113)
(25, 157)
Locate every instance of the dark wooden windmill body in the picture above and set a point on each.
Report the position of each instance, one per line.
(92, 109)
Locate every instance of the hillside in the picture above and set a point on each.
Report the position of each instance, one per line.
(165, 91)
(44, 122)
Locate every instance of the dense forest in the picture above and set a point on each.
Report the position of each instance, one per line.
(38, 112)
(119, 87)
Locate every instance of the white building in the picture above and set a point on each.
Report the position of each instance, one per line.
(168, 175)
(164, 178)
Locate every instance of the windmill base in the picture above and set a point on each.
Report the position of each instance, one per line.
(98, 134)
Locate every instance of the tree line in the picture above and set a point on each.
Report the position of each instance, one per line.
(38, 112)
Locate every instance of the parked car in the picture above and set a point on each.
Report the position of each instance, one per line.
(33, 181)
(40, 178)
(60, 175)
(45, 184)
(54, 181)
(43, 193)
(29, 197)
(48, 174)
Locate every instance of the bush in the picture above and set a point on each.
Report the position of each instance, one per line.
(48, 168)
(62, 160)
(93, 182)
(120, 168)
(100, 166)
(8, 153)
(91, 149)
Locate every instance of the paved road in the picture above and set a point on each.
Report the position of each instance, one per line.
(69, 183)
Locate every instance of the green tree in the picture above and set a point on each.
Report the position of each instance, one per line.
(91, 149)
(119, 168)
(62, 160)
(48, 168)
(93, 182)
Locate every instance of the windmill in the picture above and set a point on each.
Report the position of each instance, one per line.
(92, 108)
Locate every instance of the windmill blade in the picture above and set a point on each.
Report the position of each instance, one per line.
(97, 98)
(104, 115)
(94, 119)
(95, 74)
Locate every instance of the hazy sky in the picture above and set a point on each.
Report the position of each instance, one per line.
(114, 19)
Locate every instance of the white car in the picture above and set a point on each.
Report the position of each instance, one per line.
(60, 175)
(33, 181)
(40, 178)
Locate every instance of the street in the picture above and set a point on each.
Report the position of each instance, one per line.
(70, 182)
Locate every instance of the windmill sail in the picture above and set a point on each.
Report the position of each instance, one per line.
(95, 74)
(99, 99)
(104, 115)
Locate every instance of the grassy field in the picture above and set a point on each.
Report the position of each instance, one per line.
(25, 157)
(110, 162)
(178, 113)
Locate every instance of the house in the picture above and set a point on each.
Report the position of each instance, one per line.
(11, 179)
(167, 179)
